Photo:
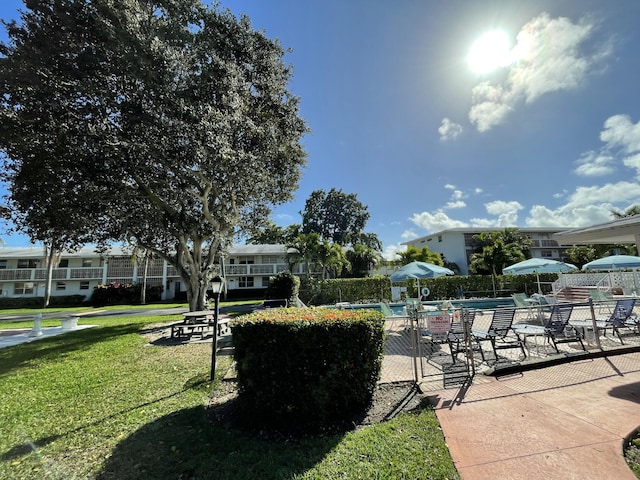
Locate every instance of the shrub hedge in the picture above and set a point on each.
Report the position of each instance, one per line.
(38, 302)
(307, 369)
(123, 294)
(377, 288)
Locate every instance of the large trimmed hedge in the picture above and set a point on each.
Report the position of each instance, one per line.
(307, 369)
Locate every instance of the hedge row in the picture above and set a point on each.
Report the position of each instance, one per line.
(377, 288)
(307, 369)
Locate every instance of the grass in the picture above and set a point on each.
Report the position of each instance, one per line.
(102, 403)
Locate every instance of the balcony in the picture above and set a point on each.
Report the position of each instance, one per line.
(36, 274)
(263, 269)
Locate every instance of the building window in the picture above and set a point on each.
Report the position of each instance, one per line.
(546, 253)
(61, 286)
(245, 282)
(23, 288)
(86, 262)
(26, 263)
(269, 259)
(64, 263)
(265, 281)
(244, 260)
(85, 286)
(439, 238)
(3, 264)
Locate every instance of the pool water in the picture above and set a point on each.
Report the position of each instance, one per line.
(475, 303)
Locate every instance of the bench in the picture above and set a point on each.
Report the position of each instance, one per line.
(197, 323)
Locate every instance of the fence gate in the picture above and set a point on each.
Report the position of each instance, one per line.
(417, 349)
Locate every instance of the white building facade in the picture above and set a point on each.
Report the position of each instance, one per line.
(23, 271)
(458, 244)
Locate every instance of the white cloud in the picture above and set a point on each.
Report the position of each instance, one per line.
(390, 251)
(478, 190)
(595, 164)
(541, 216)
(586, 206)
(455, 204)
(507, 212)
(436, 222)
(449, 130)
(547, 58)
(633, 162)
(457, 195)
(620, 132)
(448, 186)
(408, 235)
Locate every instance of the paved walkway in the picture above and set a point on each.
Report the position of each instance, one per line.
(565, 421)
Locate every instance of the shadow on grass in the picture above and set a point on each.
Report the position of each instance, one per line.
(59, 346)
(199, 382)
(187, 445)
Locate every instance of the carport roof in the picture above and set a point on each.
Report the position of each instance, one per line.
(624, 230)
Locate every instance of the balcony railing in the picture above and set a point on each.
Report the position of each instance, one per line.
(255, 269)
(80, 273)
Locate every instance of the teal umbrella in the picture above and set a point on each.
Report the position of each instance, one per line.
(419, 270)
(614, 262)
(538, 266)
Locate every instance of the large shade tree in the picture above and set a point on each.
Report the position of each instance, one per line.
(165, 123)
(337, 217)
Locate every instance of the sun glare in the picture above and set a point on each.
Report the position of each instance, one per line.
(490, 52)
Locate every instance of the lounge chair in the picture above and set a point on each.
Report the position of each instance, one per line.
(498, 333)
(520, 300)
(456, 338)
(621, 317)
(557, 329)
(603, 299)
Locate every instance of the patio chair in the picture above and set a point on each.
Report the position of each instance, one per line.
(498, 333)
(602, 299)
(622, 317)
(557, 329)
(520, 300)
(456, 337)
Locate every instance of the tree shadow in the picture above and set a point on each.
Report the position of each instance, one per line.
(629, 392)
(187, 444)
(57, 347)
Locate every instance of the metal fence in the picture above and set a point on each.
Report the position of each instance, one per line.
(437, 349)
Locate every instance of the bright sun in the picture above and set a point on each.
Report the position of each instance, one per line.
(489, 52)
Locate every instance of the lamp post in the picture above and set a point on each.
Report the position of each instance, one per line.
(217, 284)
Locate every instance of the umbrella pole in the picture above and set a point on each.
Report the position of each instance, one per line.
(538, 280)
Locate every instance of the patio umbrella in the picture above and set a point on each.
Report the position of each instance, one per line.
(538, 266)
(419, 270)
(613, 262)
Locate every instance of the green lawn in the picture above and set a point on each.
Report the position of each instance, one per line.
(101, 403)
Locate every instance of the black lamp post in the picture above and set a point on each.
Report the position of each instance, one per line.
(217, 284)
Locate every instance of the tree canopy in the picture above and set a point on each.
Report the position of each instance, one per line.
(500, 249)
(424, 254)
(337, 217)
(166, 123)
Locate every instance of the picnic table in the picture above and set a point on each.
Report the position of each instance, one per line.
(197, 323)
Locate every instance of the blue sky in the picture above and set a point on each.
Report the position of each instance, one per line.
(551, 137)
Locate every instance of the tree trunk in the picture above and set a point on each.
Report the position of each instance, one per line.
(47, 285)
(143, 292)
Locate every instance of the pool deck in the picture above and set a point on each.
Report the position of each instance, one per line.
(567, 421)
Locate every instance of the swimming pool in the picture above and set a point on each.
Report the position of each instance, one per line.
(475, 303)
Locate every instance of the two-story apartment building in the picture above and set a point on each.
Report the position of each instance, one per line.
(23, 271)
(457, 244)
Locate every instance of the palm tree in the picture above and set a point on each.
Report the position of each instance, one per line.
(629, 212)
(425, 254)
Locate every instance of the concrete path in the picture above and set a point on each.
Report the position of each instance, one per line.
(560, 422)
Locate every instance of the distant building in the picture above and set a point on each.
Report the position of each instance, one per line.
(457, 244)
(23, 270)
